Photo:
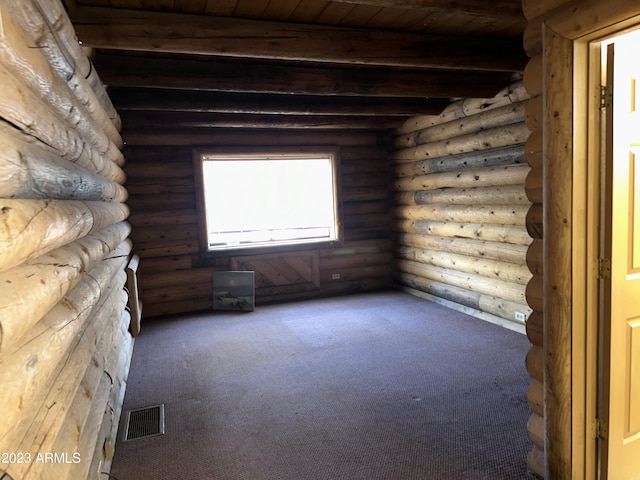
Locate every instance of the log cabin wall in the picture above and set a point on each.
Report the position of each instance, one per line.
(533, 81)
(257, 74)
(461, 205)
(64, 342)
(176, 278)
(468, 217)
(567, 338)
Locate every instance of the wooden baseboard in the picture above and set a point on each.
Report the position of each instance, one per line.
(487, 317)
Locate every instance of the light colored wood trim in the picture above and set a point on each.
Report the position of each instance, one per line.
(585, 204)
(580, 18)
(570, 301)
(558, 158)
(586, 248)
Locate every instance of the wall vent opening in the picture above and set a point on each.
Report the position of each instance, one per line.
(144, 422)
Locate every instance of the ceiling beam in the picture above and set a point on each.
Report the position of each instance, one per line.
(150, 72)
(494, 8)
(198, 101)
(135, 30)
(246, 137)
(137, 120)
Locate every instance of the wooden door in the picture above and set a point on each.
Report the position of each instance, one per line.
(620, 412)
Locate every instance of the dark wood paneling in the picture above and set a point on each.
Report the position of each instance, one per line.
(165, 233)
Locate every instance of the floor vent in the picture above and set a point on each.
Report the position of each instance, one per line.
(144, 422)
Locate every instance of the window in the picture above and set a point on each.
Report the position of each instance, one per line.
(252, 199)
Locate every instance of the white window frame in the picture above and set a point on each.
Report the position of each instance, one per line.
(201, 156)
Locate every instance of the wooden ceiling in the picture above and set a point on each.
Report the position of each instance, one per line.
(360, 64)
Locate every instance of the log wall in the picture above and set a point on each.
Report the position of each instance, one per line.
(564, 393)
(535, 359)
(461, 203)
(65, 348)
(533, 81)
(175, 277)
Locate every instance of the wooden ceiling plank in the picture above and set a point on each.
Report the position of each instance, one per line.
(133, 71)
(384, 18)
(251, 8)
(190, 6)
(334, 13)
(280, 9)
(507, 8)
(360, 15)
(431, 21)
(192, 101)
(472, 25)
(223, 8)
(307, 12)
(160, 5)
(409, 19)
(206, 35)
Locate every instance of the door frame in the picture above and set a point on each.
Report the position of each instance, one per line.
(571, 163)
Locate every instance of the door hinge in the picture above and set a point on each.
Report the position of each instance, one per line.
(606, 96)
(604, 268)
(600, 429)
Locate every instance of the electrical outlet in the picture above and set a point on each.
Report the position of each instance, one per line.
(335, 276)
(521, 317)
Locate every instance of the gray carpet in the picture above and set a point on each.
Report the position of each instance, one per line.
(371, 386)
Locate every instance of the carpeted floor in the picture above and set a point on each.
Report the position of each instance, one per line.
(372, 386)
